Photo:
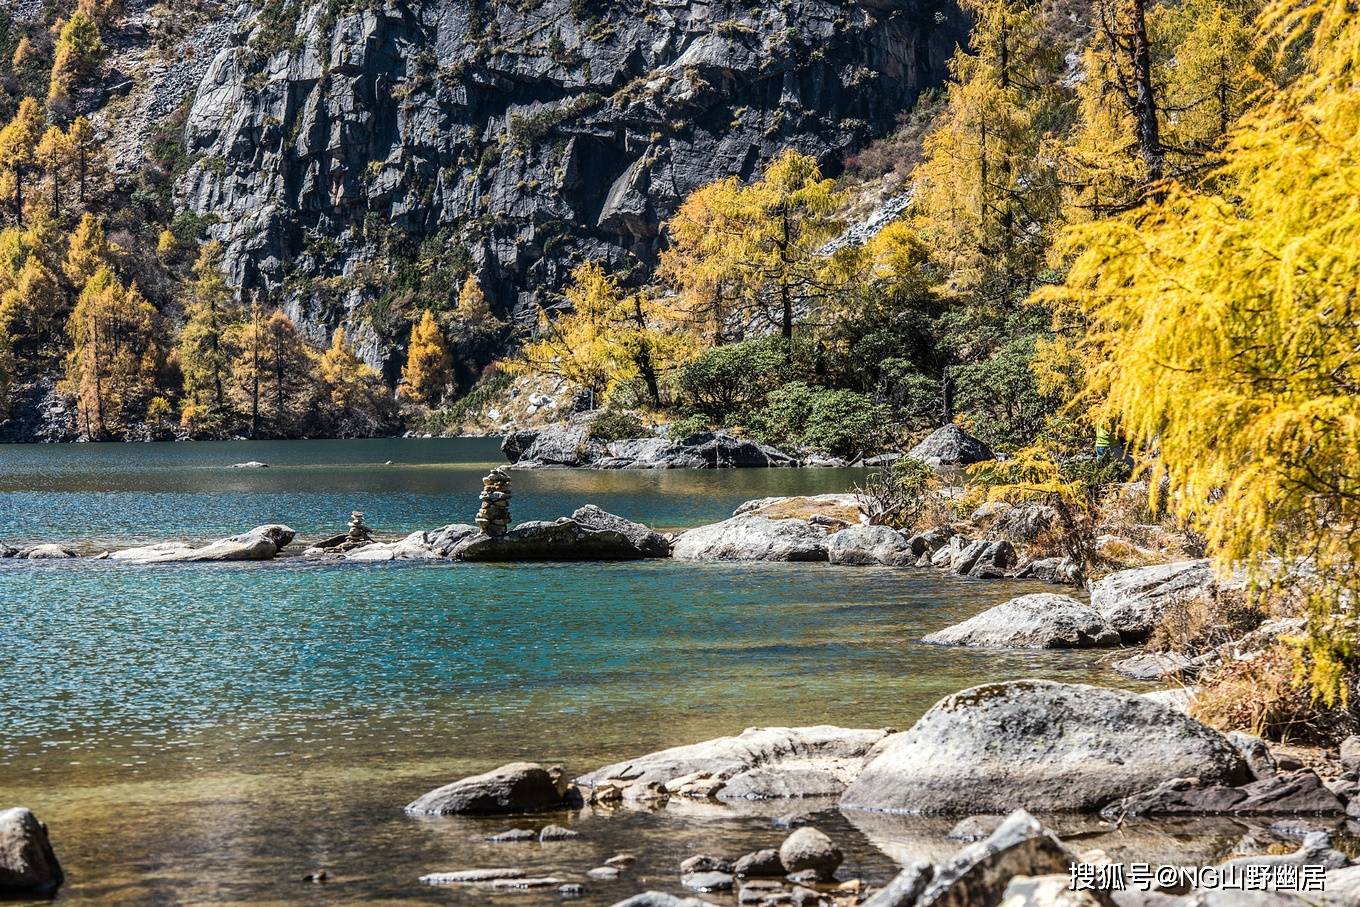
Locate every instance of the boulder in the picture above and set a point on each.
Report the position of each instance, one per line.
(951, 446)
(1025, 524)
(1154, 665)
(979, 873)
(1039, 745)
(259, 544)
(660, 899)
(808, 849)
(643, 538)
(435, 542)
(703, 862)
(1038, 621)
(28, 866)
(758, 764)
(869, 545)
(1315, 850)
(562, 540)
(760, 863)
(929, 541)
(992, 562)
(707, 881)
(752, 538)
(1296, 793)
(1060, 571)
(7, 550)
(48, 552)
(904, 888)
(518, 787)
(826, 508)
(250, 464)
(563, 444)
(1133, 601)
(1350, 753)
(557, 833)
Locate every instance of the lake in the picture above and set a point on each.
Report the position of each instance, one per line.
(213, 733)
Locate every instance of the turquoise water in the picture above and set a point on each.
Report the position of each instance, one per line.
(211, 733)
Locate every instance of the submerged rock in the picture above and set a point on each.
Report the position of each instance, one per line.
(28, 865)
(1038, 621)
(518, 787)
(758, 764)
(48, 552)
(1156, 666)
(869, 545)
(951, 446)
(259, 544)
(562, 540)
(752, 538)
(1039, 745)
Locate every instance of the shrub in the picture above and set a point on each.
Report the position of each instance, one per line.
(730, 378)
(839, 422)
(616, 425)
(898, 495)
(1266, 696)
(689, 425)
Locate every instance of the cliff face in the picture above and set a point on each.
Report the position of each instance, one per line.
(532, 134)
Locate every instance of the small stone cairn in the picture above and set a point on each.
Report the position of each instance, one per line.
(358, 535)
(494, 516)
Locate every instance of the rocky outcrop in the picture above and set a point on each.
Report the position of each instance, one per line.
(1133, 601)
(1038, 621)
(569, 445)
(520, 137)
(644, 539)
(1042, 746)
(752, 538)
(758, 764)
(259, 544)
(951, 446)
(562, 540)
(1296, 793)
(28, 866)
(869, 545)
(519, 787)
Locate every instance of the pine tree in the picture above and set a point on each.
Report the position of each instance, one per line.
(288, 368)
(52, 154)
(429, 367)
(84, 151)
(19, 141)
(473, 312)
(205, 349)
(88, 251)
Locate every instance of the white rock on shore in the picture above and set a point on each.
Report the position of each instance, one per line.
(752, 538)
(1042, 620)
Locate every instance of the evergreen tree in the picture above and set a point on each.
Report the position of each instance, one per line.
(429, 367)
(78, 53)
(206, 353)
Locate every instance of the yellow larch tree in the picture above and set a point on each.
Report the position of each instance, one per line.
(78, 52)
(111, 367)
(18, 154)
(1222, 327)
(429, 368)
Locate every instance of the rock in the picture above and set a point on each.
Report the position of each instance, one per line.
(865, 545)
(905, 887)
(562, 540)
(1038, 621)
(444, 540)
(620, 860)
(48, 552)
(569, 444)
(1039, 745)
(561, 444)
(990, 561)
(1179, 698)
(250, 464)
(807, 849)
(703, 862)
(930, 540)
(1025, 524)
(262, 543)
(527, 883)
(1316, 850)
(644, 539)
(951, 446)
(1050, 891)
(557, 833)
(758, 764)
(1154, 665)
(604, 873)
(752, 538)
(835, 508)
(1299, 793)
(7, 550)
(514, 836)
(975, 828)
(1256, 753)
(707, 881)
(519, 787)
(472, 876)
(1060, 571)
(660, 899)
(572, 890)
(1133, 601)
(760, 863)
(980, 872)
(28, 865)
(1350, 753)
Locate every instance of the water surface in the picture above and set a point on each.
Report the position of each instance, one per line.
(212, 733)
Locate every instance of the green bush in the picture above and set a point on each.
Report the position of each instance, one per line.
(616, 425)
(734, 377)
(840, 422)
(1001, 395)
(689, 425)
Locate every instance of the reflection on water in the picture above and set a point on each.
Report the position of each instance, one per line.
(212, 733)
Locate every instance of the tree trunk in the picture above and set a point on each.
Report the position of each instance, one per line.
(1145, 102)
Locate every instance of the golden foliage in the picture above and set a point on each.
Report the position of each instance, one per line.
(112, 364)
(429, 367)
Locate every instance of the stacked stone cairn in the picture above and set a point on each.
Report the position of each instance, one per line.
(358, 535)
(494, 516)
